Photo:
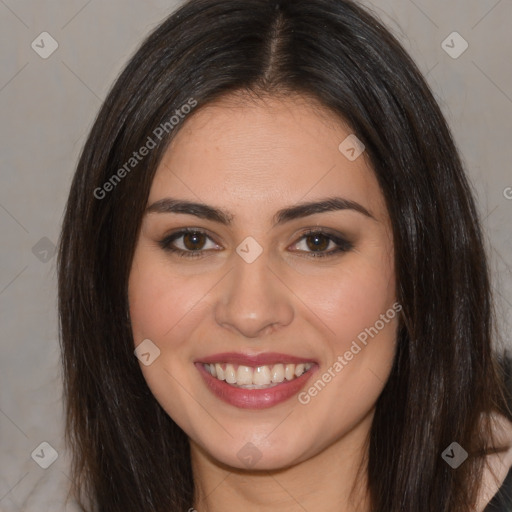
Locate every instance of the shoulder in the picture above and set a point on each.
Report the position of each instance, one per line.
(496, 491)
(497, 473)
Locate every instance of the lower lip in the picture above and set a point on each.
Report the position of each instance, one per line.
(254, 398)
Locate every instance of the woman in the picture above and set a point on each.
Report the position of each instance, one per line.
(273, 290)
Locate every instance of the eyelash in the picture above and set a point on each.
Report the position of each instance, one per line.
(165, 244)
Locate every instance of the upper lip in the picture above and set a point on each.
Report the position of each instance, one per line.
(264, 358)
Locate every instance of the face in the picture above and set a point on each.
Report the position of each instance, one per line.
(270, 325)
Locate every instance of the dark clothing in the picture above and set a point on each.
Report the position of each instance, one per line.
(502, 501)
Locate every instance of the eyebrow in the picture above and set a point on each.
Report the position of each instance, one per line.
(204, 211)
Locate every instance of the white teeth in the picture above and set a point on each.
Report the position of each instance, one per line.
(230, 374)
(278, 373)
(261, 376)
(244, 375)
(256, 377)
(289, 371)
(219, 372)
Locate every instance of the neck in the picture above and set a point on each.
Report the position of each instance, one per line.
(333, 480)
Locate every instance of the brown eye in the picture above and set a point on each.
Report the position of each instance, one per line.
(194, 241)
(190, 243)
(317, 242)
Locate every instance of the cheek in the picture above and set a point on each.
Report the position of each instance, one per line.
(150, 311)
(362, 315)
(161, 309)
(363, 290)
(158, 298)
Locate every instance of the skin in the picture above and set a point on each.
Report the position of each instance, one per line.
(498, 464)
(253, 158)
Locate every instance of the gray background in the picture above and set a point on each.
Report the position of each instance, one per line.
(47, 107)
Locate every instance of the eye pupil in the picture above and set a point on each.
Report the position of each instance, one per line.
(193, 239)
(318, 239)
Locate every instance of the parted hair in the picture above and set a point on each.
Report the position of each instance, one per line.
(128, 454)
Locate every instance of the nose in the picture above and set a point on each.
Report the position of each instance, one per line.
(253, 300)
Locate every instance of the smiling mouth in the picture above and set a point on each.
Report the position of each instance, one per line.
(258, 377)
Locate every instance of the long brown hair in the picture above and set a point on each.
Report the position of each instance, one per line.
(128, 454)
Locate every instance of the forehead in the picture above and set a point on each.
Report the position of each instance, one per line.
(264, 153)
